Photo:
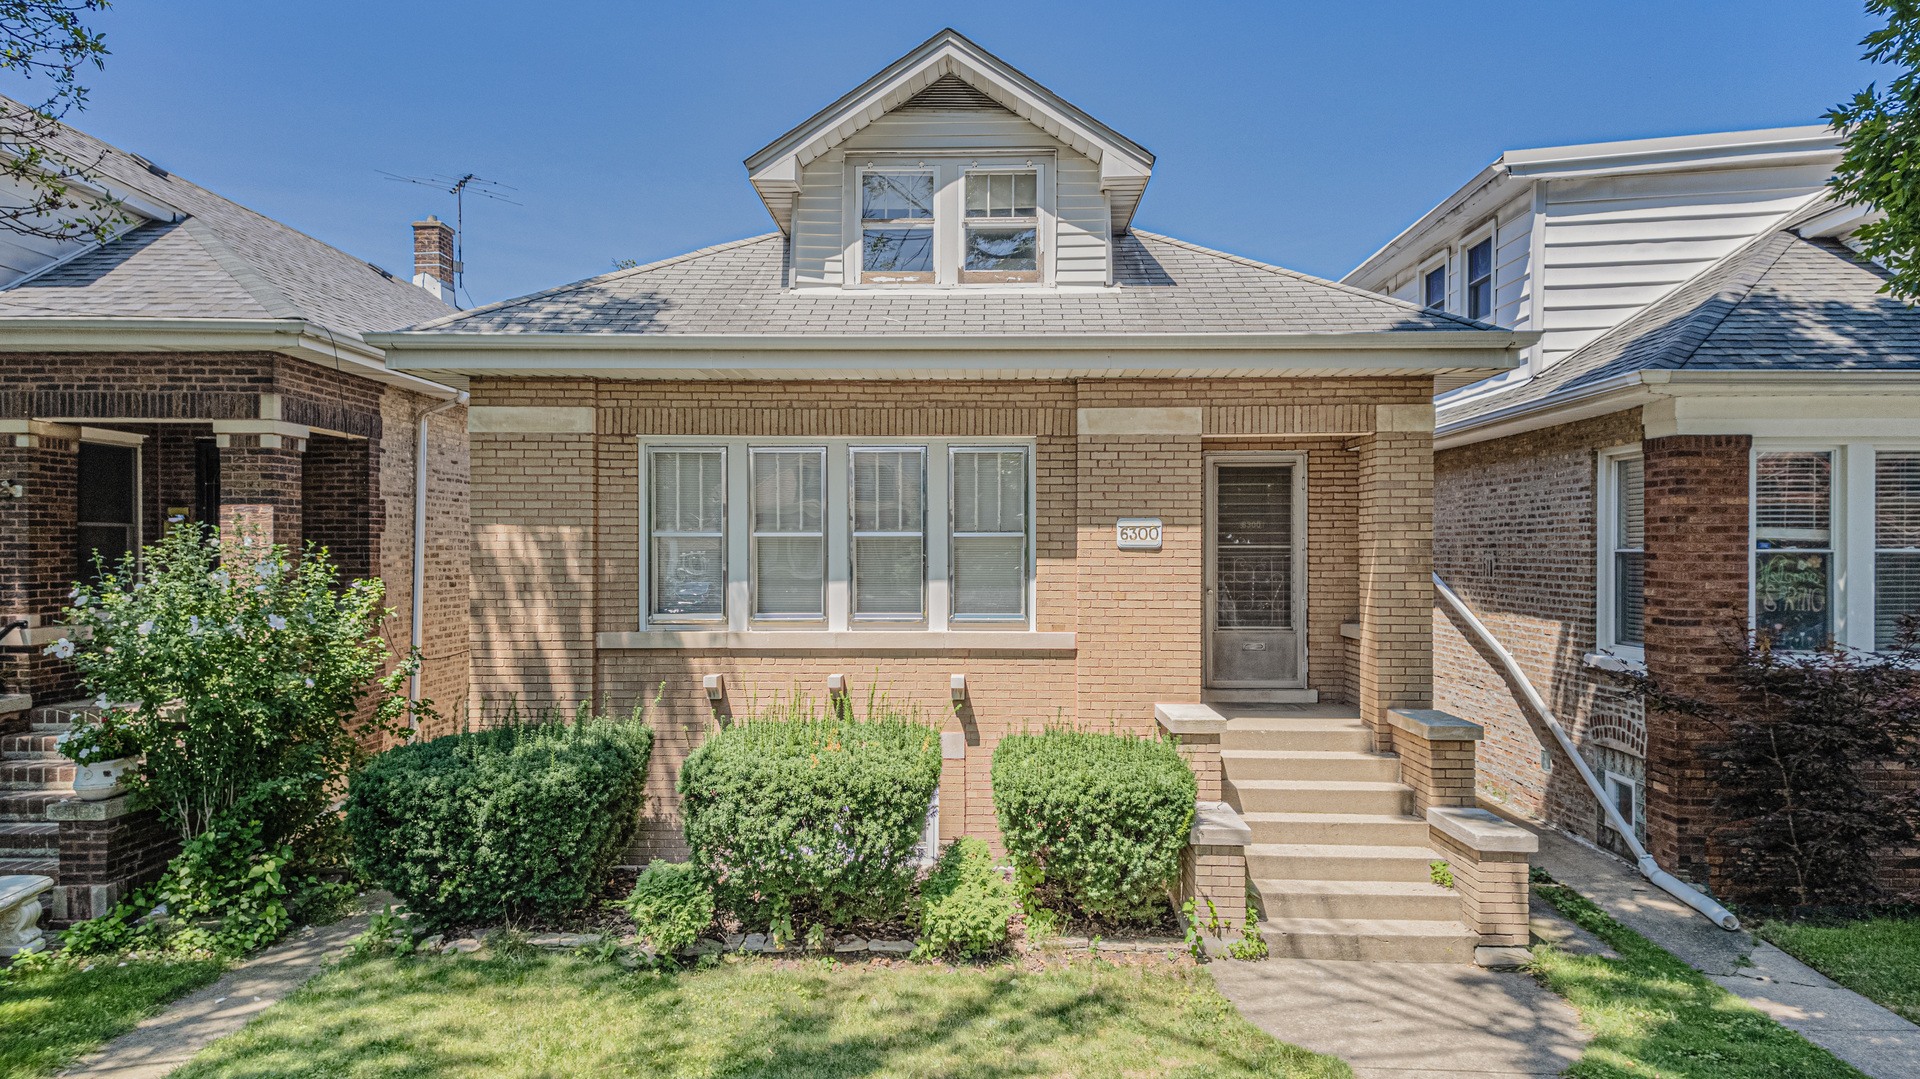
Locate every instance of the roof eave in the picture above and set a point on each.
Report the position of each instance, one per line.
(1394, 340)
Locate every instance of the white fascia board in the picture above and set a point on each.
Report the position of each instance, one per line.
(291, 337)
(1388, 341)
(1483, 194)
(1839, 221)
(1600, 399)
(1720, 149)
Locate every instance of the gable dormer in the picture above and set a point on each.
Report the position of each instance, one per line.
(950, 168)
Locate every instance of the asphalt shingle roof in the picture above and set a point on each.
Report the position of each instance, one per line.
(1165, 286)
(1782, 302)
(223, 261)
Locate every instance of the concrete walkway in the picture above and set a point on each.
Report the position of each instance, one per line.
(1843, 1022)
(170, 1039)
(1408, 1020)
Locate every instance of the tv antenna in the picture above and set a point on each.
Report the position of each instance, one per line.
(457, 187)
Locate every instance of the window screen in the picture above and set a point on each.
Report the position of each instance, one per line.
(990, 527)
(1793, 547)
(1480, 279)
(1896, 541)
(888, 490)
(686, 502)
(789, 545)
(1629, 551)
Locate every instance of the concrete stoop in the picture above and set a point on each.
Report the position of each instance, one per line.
(1342, 867)
(33, 776)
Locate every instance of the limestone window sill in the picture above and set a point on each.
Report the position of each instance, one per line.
(1605, 661)
(851, 642)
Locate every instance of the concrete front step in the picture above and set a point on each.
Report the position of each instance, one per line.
(37, 867)
(1246, 764)
(1326, 734)
(1339, 861)
(30, 840)
(1356, 829)
(1318, 796)
(17, 747)
(64, 714)
(1358, 899)
(1376, 940)
(34, 774)
(30, 806)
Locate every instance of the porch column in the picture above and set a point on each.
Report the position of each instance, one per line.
(260, 486)
(1696, 592)
(39, 551)
(1396, 566)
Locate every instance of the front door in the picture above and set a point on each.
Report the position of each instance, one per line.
(1255, 571)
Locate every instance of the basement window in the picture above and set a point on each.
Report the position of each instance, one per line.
(1624, 793)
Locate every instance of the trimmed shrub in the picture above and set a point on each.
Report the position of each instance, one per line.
(670, 905)
(800, 816)
(966, 903)
(516, 822)
(1094, 821)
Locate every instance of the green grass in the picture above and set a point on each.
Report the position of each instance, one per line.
(1651, 1014)
(1878, 959)
(49, 1017)
(562, 1016)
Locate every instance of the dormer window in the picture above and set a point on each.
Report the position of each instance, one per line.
(1002, 228)
(896, 242)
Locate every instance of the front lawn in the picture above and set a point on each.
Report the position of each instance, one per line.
(51, 1016)
(1878, 959)
(1651, 1014)
(561, 1016)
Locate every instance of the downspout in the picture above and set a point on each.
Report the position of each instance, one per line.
(1660, 878)
(420, 544)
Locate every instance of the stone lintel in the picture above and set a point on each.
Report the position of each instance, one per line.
(1189, 718)
(1435, 726)
(1480, 830)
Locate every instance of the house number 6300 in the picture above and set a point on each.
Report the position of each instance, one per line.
(1137, 533)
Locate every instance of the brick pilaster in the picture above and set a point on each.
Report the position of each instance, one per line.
(1696, 596)
(1396, 567)
(260, 489)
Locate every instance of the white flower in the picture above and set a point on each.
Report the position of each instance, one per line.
(309, 683)
(145, 628)
(75, 594)
(100, 701)
(259, 588)
(60, 649)
(193, 625)
(274, 621)
(268, 569)
(176, 519)
(246, 541)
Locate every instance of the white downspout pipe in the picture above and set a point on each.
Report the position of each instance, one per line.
(420, 542)
(1662, 879)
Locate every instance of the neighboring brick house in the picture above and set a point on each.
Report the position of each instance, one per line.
(207, 363)
(1689, 455)
(956, 417)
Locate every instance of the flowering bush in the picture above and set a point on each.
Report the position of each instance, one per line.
(242, 671)
(105, 739)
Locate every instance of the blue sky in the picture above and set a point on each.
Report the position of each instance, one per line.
(1305, 134)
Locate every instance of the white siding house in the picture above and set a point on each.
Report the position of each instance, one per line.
(1584, 236)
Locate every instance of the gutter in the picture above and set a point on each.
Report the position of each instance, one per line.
(1388, 340)
(420, 545)
(1659, 878)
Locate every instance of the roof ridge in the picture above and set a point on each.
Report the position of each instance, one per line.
(276, 303)
(631, 271)
(1391, 301)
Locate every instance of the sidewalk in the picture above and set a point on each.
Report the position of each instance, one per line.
(1802, 999)
(170, 1039)
(1408, 1020)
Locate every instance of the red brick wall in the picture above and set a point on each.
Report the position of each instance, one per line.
(1514, 536)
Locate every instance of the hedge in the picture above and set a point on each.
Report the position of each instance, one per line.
(1094, 821)
(811, 818)
(516, 822)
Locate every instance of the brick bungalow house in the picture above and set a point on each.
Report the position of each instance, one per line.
(207, 363)
(1718, 430)
(957, 430)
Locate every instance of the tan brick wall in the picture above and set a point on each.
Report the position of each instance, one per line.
(1493, 890)
(557, 553)
(1219, 874)
(1202, 754)
(1395, 565)
(1514, 535)
(1441, 772)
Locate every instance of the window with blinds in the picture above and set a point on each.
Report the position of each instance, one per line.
(1793, 547)
(888, 492)
(686, 505)
(789, 542)
(1896, 543)
(1629, 551)
(989, 544)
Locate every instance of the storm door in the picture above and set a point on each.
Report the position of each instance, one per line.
(109, 505)
(1255, 576)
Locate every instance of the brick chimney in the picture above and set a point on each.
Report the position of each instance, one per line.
(433, 265)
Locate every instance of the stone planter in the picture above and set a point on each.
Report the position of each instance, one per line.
(102, 779)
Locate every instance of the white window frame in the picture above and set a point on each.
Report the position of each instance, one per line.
(754, 535)
(647, 535)
(853, 563)
(1483, 235)
(1615, 779)
(949, 211)
(1027, 597)
(1040, 244)
(838, 518)
(857, 267)
(1872, 548)
(1437, 263)
(1606, 521)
